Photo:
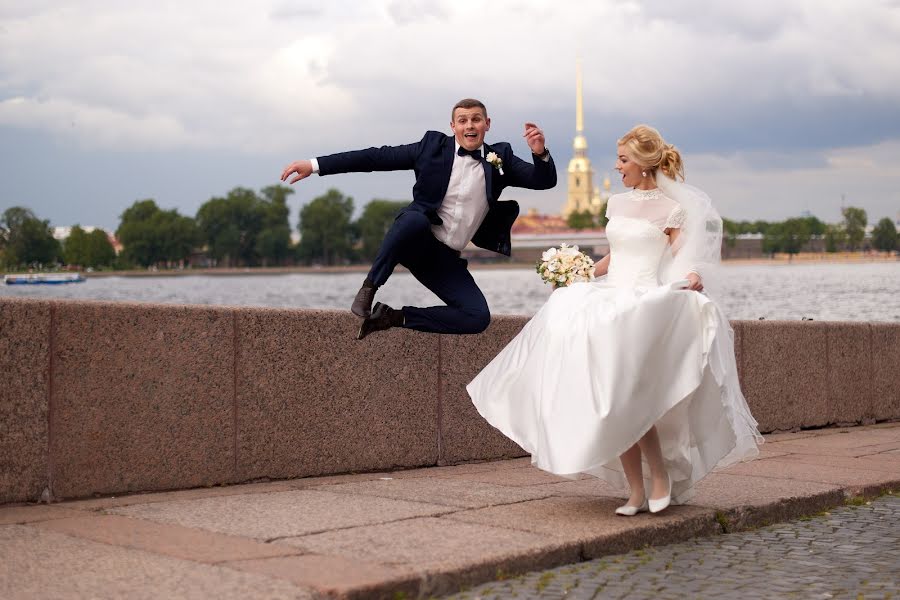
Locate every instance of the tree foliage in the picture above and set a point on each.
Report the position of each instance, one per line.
(601, 218)
(793, 234)
(326, 233)
(75, 247)
(88, 249)
(245, 229)
(771, 242)
(855, 221)
(588, 219)
(788, 236)
(884, 236)
(374, 222)
(835, 237)
(274, 242)
(26, 240)
(151, 236)
(815, 226)
(730, 231)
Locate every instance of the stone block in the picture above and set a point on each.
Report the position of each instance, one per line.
(742, 502)
(314, 400)
(465, 435)
(738, 327)
(169, 540)
(785, 373)
(849, 348)
(143, 397)
(591, 522)
(281, 514)
(854, 481)
(443, 491)
(523, 477)
(847, 442)
(591, 487)
(10, 515)
(876, 462)
(447, 554)
(337, 577)
(464, 468)
(24, 395)
(46, 564)
(94, 504)
(886, 371)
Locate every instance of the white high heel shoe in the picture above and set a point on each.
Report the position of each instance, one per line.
(629, 510)
(662, 503)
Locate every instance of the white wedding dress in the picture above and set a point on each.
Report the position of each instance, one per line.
(602, 362)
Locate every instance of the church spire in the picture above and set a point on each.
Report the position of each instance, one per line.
(579, 102)
(581, 175)
(579, 145)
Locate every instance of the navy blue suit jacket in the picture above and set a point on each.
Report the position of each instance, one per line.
(432, 159)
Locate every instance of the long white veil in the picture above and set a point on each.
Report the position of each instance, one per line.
(699, 244)
(699, 249)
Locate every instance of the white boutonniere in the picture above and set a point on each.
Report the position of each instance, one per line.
(495, 160)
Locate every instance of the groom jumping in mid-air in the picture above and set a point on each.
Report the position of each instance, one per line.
(455, 200)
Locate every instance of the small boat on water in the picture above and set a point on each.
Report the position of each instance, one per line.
(43, 278)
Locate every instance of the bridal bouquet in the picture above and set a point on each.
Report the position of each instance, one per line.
(564, 266)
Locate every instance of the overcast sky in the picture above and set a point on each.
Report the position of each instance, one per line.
(777, 106)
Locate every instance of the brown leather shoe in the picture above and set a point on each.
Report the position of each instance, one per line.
(383, 317)
(362, 304)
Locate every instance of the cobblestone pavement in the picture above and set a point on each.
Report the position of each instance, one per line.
(849, 552)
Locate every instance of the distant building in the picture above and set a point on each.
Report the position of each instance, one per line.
(582, 195)
(534, 222)
(532, 233)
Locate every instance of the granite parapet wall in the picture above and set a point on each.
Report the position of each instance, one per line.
(110, 398)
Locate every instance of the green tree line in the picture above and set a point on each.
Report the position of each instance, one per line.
(791, 235)
(788, 236)
(248, 228)
(243, 228)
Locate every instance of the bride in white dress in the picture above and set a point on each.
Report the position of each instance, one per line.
(635, 369)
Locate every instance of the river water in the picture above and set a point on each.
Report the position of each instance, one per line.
(831, 292)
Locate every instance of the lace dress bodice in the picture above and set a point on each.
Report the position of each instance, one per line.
(637, 239)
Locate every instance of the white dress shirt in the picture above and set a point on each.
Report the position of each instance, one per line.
(465, 204)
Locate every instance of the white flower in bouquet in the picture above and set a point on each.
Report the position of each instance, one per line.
(564, 266)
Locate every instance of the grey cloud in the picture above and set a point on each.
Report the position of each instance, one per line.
(405, 12)
(758, 20)
(297, 10)
(287, 91)
(779, 126)
(21, 10)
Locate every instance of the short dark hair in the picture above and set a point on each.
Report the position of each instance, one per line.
(468, 103)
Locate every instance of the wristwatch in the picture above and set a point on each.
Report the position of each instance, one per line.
(545, 154)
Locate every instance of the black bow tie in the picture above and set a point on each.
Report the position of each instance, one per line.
(476, 154)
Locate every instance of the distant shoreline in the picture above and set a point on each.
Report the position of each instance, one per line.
(779, 259)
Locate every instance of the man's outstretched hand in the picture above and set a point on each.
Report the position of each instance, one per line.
(534, 136)
(302, 168)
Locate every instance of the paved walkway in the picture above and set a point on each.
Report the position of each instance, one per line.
(849, 552)
(424, 532)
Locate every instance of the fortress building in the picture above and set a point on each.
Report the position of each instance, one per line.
(582, 194)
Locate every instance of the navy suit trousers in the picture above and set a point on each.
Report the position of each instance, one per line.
(411, 243)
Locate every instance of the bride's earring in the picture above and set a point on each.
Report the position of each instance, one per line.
(643, 173)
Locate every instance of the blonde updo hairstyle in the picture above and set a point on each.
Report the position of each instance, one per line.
(647, 148)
